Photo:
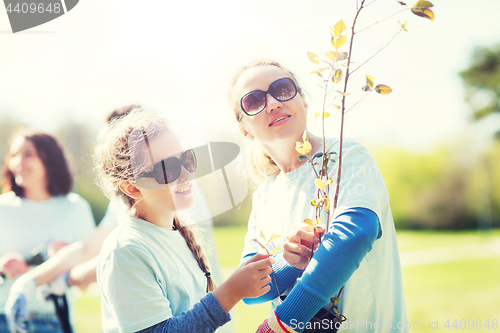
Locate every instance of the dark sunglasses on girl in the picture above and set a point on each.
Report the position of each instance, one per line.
(255, 102)
(169, 170)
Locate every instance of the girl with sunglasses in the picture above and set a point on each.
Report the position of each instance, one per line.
(358, 256)
(152, 273)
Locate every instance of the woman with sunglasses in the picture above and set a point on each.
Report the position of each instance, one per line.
(152, 273)
(37, 211)
(358, 256)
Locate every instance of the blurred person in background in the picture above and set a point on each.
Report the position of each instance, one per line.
(75, 264)
(38, 214)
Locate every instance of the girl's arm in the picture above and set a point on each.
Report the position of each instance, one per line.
(205, 317)
(285, 274)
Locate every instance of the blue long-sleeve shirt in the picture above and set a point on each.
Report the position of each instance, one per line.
(205, 317)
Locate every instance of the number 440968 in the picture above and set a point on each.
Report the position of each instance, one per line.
(34, 8)
(472, 324)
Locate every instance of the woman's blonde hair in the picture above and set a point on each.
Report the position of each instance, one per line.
(120, 156)
(260, 165)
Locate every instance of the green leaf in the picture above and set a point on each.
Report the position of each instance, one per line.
(423, 12)
(383, 89)
(275, 250)
(423, 4)
(273, 237)
(369, 81)
(319, 184)
(309, 222)
(338, 28)
(404, 25)
(313, 57)
(303, 157)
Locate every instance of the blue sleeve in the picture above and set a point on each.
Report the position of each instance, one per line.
(285, 274)
(205, 317)
(349, 239)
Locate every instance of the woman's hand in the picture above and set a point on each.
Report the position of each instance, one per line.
(248, 281)
(13, 264)
(300, 243)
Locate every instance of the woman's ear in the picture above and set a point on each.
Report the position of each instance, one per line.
(131, 190)
(304, 102)
(245, 133)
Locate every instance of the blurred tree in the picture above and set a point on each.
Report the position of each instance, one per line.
(482, 81)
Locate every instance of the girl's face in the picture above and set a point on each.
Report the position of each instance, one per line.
(177, 195)
(279, 120)
(26, 165)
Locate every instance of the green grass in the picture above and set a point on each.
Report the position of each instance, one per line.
(454, 290)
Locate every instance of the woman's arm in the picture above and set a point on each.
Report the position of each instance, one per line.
(349, 239)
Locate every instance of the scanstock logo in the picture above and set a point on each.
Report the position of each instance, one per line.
(26, 14)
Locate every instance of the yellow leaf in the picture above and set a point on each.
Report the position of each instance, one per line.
(317, 73)
(308, 222)
(404, 25)
(317, 114)
(423, 4)
(305, 138)
(313, 203)
(383, 89)
(326, 114)
(319, 184)
(369, 82)
(338, 42)
(258, 242)
(331, 55)
(313, 57)
(336, 106)
(329, 181)
(318, 221)
(275, 250)
(339, 28)
(423, 12)
(273, 237)
(326, 205)
(337, 76)
(262, 235)
(303, 148)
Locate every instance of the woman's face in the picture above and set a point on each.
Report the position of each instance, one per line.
(280, 120)
(26, 165)
(174, 196)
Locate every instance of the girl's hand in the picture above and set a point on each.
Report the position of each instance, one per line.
(300, 243)
(13, 264)
(248, 281)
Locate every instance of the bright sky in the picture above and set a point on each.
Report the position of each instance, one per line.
(171, 54)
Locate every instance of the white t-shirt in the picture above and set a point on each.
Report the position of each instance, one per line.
(146, 275)
(374, 292)
(27, 224)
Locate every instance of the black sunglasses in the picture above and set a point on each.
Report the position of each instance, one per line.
(255, 102)
(169, 170)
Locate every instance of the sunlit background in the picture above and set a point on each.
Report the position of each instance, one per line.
(439, 162)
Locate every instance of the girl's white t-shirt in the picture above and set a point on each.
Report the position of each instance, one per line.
(146, 275)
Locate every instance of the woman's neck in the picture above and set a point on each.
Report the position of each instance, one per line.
(286, 156)
(38, 194)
